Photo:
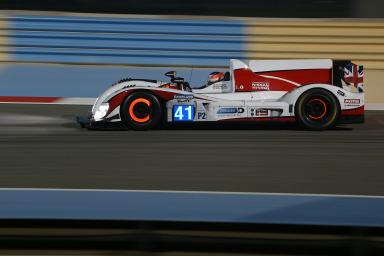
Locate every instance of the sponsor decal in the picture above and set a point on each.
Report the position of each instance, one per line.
(201, 116)
(182, 96)
(258, 112)
(340, 93)
(261, 112)
(220, 86)
(260, 86)
(230, 110)
(352, 101)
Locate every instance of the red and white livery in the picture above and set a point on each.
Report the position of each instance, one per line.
(316, 93)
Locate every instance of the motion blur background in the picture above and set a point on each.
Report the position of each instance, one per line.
(69, 51)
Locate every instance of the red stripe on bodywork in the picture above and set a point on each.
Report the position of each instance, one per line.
(247, 81)
(353, 111)
(284, 80)
(28, 99)
(303, 76)
(118, 99)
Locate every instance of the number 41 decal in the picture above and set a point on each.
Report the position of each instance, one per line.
(183, 112)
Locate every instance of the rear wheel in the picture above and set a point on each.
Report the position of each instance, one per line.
(317, 109)
(141, 111)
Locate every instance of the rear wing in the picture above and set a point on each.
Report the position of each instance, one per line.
(348, 76)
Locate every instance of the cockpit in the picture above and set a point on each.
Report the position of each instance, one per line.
(217, 82)
(215, 77)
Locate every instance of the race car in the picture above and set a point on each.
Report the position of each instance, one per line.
(316, 93)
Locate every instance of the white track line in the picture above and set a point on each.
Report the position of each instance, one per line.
(191, 192)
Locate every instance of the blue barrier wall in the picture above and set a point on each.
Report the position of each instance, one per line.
(257, 208)
(81, 81)
(128, 41)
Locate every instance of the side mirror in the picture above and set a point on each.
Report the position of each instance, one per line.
(170, 74)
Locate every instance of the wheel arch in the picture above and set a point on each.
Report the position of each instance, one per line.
(117, 98)
(293, 96)
(317, 123)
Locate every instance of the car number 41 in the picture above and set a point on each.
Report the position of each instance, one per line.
(183, 112)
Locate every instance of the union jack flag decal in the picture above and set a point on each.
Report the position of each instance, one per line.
(354, 74)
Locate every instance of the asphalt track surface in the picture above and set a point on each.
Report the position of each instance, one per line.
(41, 146)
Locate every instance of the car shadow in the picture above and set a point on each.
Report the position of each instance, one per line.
(214, 126)
(243, 126)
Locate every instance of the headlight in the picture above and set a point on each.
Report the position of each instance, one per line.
(101, 111)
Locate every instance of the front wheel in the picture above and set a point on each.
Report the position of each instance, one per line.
(141, 111)
(317, 109)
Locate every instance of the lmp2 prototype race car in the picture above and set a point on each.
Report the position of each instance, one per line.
(317, 93)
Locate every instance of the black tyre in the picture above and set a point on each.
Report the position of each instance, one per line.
(317, 109)
(141, 111)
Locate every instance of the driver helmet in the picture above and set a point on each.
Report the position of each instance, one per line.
(215, 77)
